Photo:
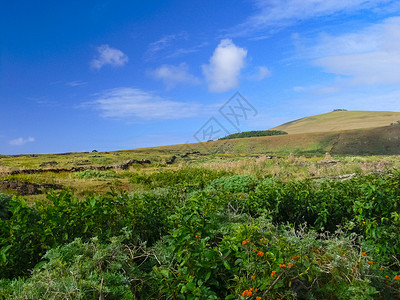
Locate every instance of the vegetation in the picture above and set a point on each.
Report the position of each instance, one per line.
(264, 218)
(199, 233)
(340, 120)
(256, 133)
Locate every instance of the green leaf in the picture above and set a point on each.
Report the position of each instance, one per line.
(40, 264)
(165, 273)
(226, 264)
(207, 276)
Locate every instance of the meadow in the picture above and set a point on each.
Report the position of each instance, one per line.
(207, 226)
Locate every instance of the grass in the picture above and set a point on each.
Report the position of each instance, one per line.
(286, 167)
(340, 120)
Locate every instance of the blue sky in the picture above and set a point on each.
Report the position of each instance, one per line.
(112, 75)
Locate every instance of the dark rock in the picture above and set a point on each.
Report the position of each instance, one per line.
(128, 163)
(48, 164)
(171, 160)
(27, 188)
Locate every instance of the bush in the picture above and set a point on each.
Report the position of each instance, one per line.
(194, 178)
(234, 184)
(255, 133)
(87, 174)
(4, 206)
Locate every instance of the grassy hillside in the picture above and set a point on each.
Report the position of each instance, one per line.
(370, 141)
(340, 120)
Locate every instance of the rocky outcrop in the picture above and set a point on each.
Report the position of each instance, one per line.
(27, 188)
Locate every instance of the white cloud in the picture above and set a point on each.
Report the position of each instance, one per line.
(173, 75)
(21, 141)
(76, 83)
(108, 56)
(260, 74)
(222, 73)
(366, 57)
(281, 13)
(135, 103)
(162, 44)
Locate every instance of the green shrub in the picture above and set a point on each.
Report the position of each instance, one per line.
(234, 184)
(88, 174)
(195, 178)
(4, 206)
(255, 133)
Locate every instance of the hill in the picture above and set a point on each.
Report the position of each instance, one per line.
(369, 141)
(340, 120)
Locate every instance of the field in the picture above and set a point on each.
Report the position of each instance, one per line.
(340, 120)
(297, 216)
(204, 225)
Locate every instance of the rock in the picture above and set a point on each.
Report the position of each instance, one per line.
(128, 163)
(27, 188)
(49, 164)
(171, 160)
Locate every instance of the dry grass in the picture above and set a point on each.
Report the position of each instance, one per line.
(300, 167)
(340, 120)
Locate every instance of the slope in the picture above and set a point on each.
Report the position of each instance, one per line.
(340, 120)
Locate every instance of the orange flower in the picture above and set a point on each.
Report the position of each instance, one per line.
(253, 277)
(179, 274)
(289, 265)
(371, 262)
(381, 269)
(247, 293)
(258, 298)
(295, 257)
(197, 236)
(363, 253)
(273, 273)
(397, 277)
(254, 250)
(245, 241)
(387, 277)
(260, 253)
(282, 266)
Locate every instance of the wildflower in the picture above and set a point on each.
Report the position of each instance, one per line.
(295, 257)
(258, 298)
(260, 253)
(247, 293)
(282, 266)
(381, 269)
(273, 273)
(253, 277)
(245, 241)
(256, 290)
(363, 253)
(387, 277)
(373, 198)
(289, 265)
(397, 277)
(254, 250)
(371, 262)
(179, 274)
(197, 236)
